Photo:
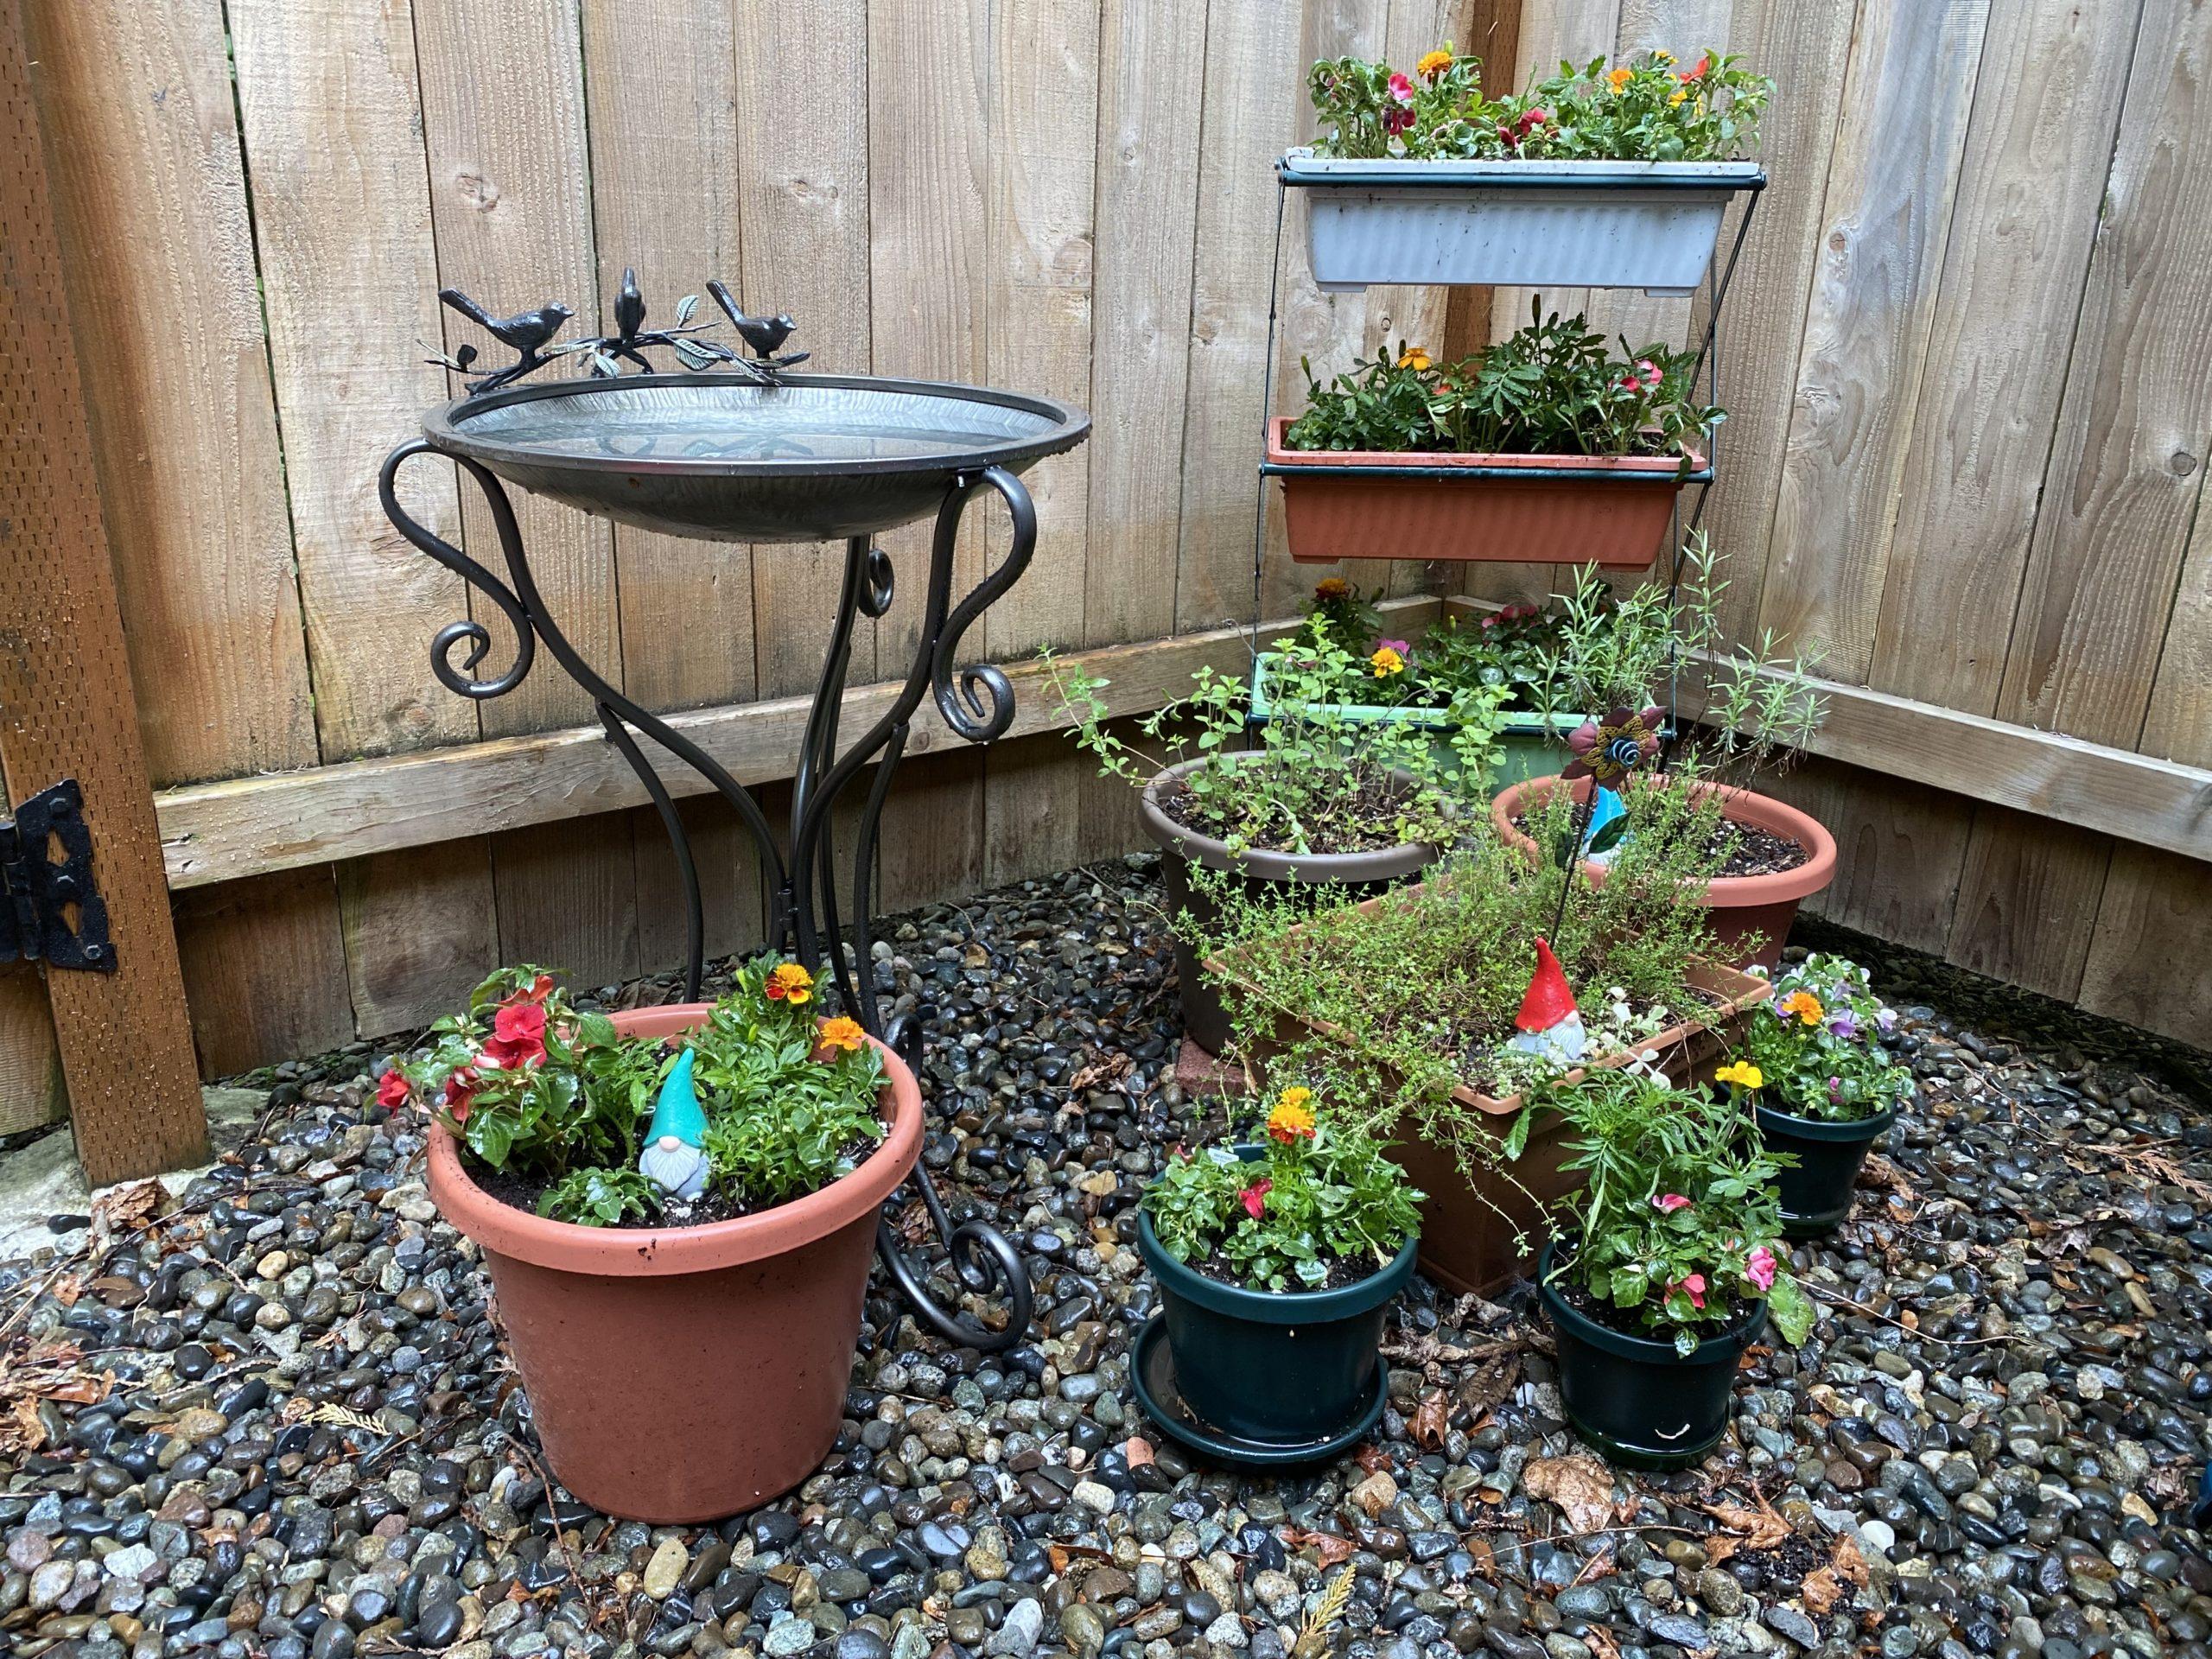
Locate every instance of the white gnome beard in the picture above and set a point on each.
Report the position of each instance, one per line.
(677, 1170)
(1563, 1044)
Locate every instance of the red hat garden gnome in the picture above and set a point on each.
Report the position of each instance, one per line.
(1548, 1023)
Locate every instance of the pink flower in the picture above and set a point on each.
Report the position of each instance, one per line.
(1404, 651)
(1667, 1203)
(1255, 1197)
(1758, 1267)
(1401, 90)
(1693, 1286)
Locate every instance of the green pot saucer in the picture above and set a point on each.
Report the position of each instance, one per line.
(1152, 1370)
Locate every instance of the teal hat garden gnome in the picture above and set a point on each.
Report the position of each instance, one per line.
(675, 1158)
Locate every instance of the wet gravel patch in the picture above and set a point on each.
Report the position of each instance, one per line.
(275, 1419)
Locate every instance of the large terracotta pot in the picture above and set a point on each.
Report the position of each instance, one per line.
(687, 1373)
(1741, 904)
(1334, 879)
(1359, 504)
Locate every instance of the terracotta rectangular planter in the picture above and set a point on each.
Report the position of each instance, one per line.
(1470, 1229)
(1368, 503)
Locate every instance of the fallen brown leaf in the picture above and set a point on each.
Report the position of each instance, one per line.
(1763, 1528)
(1849, 1562)
(1599, 1641)
(1580, 1486)
(1432, 1421)
(1821, 1591)
(1373, 1458)
(1488, 1384)
(1331, 1548)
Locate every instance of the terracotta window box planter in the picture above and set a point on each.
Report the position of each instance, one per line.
(685, 1374)
(1469, 1229)
(1742, 906)
(1612, 511)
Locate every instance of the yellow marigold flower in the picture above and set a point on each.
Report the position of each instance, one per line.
(1680, 92)
(1331, 587)
(1620, 78)
(1412, 358)
(842, 1032)
(1386, 662)
(1292, 1118)
(1742, 1071)
(790, 983)
(1432, 63)
(1805, 1006)
(1662, 55)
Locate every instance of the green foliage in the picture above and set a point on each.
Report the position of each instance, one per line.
(1315, 781)
(535, 1089)
(1649, 109)
(1817, 1044)
(1549, 389)
(1677, 1224)
(788, 1111)
(1417, 994)
(1510, 650)
(599, 1197)
(1321, 1191)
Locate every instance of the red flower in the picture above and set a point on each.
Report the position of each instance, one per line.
(517, 1036)
(1397, 119)
(1667, 1203)
(536, 991)
(461, 1087)
(1699, 70)
(1530, 121)
(1255, 1197)
(392, 1089)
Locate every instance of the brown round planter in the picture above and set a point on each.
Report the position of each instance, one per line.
(1741, 904)
(1607, 510)
(687, 1373)
(1334, 877)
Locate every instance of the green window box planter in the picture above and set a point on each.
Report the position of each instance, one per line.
(1531, 745)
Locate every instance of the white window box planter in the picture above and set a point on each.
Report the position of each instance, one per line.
(1647, 225)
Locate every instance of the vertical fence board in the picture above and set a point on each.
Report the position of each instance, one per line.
(1867, 328)
(421, 931)
(803, 154)
(1151, 80)
(150, 199)
(1043, 171)
(2031, 189)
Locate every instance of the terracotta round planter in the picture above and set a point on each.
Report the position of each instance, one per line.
(687, 1373)
(1336, 878)
(1741, 904)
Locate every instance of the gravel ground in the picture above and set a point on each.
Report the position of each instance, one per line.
(277, 1421)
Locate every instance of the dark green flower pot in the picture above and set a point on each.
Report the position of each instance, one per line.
(1816, 1194)
(1287, 1368)
(1636, 1399)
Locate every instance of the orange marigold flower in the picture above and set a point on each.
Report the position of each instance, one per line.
(1620, 78)
(790, 983)
(1331, 587)
(1805, 1006)
(842, 1032)
(1414, 357)
(1292, 1117)
(1387, 662)
(1432, 63)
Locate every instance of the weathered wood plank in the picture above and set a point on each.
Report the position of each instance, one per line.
(802, 125)
(1898, 845)
(1867, 328)
(2147, 963)
(421, 931)
(334, 142)
(2031, 189)
(261, 960)
(32, 1092)
(660, 77)
(1256, 90)
(150, 203)
(223, 831)
(1151, 82)
(1044, 142)
(567, 898)
(66, 690)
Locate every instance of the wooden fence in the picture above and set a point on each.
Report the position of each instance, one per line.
(1969, 418)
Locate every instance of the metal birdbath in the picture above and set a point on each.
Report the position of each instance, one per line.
(739, 449)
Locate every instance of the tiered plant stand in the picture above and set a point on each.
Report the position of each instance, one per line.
(752, 454)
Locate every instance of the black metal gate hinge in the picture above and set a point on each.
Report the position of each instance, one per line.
(39, 889)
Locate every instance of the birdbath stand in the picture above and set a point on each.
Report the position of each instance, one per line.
(738, 450)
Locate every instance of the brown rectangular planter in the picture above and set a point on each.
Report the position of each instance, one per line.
(1470, 1230)
(1365, 504)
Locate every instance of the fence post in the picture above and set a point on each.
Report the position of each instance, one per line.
(66, 703)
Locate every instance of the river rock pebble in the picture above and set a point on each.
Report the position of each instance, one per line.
(280, 1424)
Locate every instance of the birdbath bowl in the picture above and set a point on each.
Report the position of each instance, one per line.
(722, 457)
